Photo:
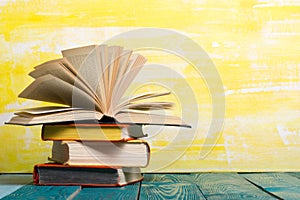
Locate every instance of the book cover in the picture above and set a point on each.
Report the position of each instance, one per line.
(57, 174)
(91, 131)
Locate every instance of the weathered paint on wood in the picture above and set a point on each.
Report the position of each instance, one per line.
(294, 174)
(169, 178)
(228, 186)
(33, 192)
(92, 193)
(10, 183)
(169, 186)
(282, 185)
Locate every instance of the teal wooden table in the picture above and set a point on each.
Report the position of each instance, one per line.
(165, 186)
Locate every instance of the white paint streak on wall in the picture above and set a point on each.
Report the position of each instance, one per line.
(27, 138)
(4, 117)
(289, 136)
(291, 86)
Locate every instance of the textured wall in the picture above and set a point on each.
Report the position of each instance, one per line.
(255, 46)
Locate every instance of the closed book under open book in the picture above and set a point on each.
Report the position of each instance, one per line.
(90, 131)
(132, 153)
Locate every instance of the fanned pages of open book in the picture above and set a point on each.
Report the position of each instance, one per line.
(90, 83)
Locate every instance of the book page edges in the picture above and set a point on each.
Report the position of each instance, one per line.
(150, 119)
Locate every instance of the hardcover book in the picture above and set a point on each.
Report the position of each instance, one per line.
(56, 174)
(91, 131)
(132, 153)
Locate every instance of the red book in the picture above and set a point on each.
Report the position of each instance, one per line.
(57, 174)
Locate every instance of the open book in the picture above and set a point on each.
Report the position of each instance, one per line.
(90, 82)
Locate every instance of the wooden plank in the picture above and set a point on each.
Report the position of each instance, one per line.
(294, 174)
(11, 182)
(228, 186)
(169, 178)
(169, 186)
(33, 192)
(282, 185)
(269, 180)
(286, 192)
(126, 192)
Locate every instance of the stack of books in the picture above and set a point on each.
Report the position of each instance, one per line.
(92, 154)
(87, 86)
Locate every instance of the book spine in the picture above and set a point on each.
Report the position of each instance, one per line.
(35, 175)
(148, 155)
(42, 133)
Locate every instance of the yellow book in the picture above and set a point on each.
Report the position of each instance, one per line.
(100, 132)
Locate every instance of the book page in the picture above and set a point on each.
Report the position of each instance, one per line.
(99, 53)
(107, 74)
(59, 70)
(61, 61)
(55, 68)
(134, 66)
(139, 97)
(87, 87)
(91, 71)
(77, 55)
(89, 62)
(113, 68)
(124, 59)
(55, 117)
(46, 110)
(103, 69)
(51, 89)
(48, 62)
(102, 87)
(148, 118)
(62, 69)
(123, 65)
(149, 106)
(85, 62)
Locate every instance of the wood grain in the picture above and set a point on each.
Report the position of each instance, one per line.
(294, 174)
(269, 180)
(169, 186)
(10, 183)
(282, 185)
(228, 186)
(43, 192)
(125, 192)
(169, 178)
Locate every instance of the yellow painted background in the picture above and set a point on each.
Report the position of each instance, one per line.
(255, 45)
